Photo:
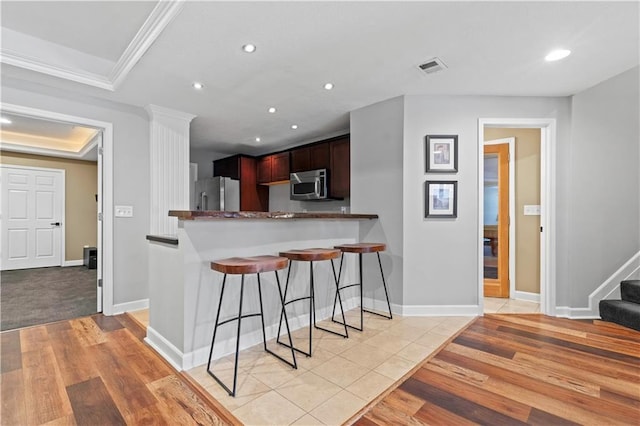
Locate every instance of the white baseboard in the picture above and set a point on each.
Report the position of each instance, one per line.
(576, 313)
(136, 305)
(165, 348)
(72, 263)
(422, 310)
(604, 291)
(200, 356)
(525, 295)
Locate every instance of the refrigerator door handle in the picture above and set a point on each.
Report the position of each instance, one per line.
(203, 201)
(222, 184)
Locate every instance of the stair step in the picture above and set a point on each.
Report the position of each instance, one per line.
(630, 290)
(621, 312)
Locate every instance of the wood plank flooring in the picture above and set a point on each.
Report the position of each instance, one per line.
(523, 369)
(95, 371)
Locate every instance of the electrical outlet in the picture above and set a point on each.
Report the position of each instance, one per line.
(124, 211)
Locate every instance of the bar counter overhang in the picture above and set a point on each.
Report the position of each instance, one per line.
(183, 290)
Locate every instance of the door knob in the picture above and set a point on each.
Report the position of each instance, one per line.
(55, 223)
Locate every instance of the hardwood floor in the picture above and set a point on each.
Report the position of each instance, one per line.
(523, 369)
(95, 371)
(503, 369)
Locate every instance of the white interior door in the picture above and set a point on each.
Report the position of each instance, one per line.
(31, 217)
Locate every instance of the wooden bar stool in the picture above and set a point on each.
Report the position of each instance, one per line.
(312, 255)
(242, 266)
(360, 249)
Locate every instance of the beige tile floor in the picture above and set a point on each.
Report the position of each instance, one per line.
(342, 376)
(495, 305)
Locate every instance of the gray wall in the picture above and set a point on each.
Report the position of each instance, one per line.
(441, 256)
(434, 262)
(130, 175)
(604, 231)
(377, 187)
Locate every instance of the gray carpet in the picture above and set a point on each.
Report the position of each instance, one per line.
(38, 296)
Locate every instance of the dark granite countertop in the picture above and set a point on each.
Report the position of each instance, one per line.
(214, 214)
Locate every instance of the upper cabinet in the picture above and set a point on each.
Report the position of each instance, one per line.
(273, 168)
(340, 168)
(310, 157)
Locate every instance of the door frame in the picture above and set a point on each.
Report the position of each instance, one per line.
(512, 207)
(105, 256)
(62, 228)
(547, 128)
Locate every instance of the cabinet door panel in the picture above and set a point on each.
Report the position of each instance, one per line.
(340, 168)
(264, 169)
(300, 160)
(319, 156)
(280, 167)
(253, 197)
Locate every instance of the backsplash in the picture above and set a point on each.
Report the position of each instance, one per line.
(279, 201)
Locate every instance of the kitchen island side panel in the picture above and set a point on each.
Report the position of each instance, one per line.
(202, 241)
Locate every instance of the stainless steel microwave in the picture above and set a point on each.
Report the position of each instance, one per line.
(311, 185)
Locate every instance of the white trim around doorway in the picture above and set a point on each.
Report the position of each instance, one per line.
(106, 192)
(547, 128)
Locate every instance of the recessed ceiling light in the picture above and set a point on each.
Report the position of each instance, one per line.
(294, 126)
(198, 86)
(272, 110)
(328, 86)
(557, 54)
(5, 120)
(249, 48)
(257, 139)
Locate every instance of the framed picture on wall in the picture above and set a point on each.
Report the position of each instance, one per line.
(441, 153)
(440, 199)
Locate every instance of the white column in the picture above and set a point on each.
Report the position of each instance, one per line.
(169, 158)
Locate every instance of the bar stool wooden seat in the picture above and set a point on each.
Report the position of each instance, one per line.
(360, 249)
(312, 255)
(243, 266)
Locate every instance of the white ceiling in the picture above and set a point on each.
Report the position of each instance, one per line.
(369, 50)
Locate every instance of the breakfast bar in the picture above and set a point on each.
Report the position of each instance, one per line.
(184, 290)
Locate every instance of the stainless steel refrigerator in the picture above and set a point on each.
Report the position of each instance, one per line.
(218, 193)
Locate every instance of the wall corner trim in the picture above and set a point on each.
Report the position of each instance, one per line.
(167, 350)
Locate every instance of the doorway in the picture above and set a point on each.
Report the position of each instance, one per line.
(543, 209)
(103, 197)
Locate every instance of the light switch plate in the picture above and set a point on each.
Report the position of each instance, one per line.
(531, 210)
(124, 211)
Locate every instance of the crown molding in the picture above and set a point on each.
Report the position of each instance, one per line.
(159, 18)
(17, 59)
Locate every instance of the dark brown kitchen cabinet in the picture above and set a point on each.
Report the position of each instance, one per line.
(340, 173)
(273, 168)
(253, 197)
(310, 157)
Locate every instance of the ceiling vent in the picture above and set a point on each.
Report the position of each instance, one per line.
(432, 65)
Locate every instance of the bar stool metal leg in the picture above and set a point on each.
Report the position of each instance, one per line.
(215, 327)
(264, 337)
(335, 279)
(231, 392)
(335, 299)
(283, 314)
(386, 292)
